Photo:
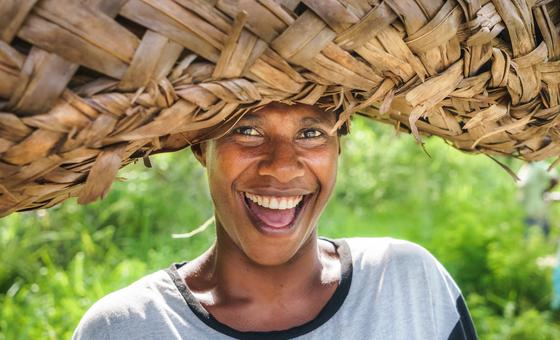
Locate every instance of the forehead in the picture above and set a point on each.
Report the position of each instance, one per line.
(285, 113)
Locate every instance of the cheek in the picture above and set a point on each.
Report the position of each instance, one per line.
(223, 164)
(220, 175)
(325, 166)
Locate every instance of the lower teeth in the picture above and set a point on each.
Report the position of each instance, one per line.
(270, 218)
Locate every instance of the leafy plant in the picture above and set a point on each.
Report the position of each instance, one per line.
(55, 263)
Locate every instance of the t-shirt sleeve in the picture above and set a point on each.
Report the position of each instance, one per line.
(446, 291)
(464, 328)
(429, 281)
(113, 316)
(94, 324)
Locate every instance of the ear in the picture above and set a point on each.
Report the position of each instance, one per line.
(199, 151)
(339, 145)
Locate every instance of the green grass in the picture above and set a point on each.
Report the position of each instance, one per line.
(463, 208)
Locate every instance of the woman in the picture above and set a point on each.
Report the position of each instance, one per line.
(144, 76)
(268, 274)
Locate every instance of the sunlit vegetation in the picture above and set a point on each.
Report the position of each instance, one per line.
(463, 208)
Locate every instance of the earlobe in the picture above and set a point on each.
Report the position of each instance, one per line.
(339, 147)
(199, 152)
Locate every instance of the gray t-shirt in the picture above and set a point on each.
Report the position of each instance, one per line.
(389, 289)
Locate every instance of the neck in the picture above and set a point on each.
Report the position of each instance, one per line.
(236, 274)
(233, 276)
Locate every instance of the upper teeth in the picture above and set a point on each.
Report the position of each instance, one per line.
(272, 202)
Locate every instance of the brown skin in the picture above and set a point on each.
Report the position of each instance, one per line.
(250, 279)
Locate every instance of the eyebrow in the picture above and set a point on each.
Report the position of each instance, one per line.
(305, 120)
(251, 117)
(315, 120)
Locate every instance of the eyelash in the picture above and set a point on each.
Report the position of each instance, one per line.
(321, 133)
(240, 130)
(244, 129)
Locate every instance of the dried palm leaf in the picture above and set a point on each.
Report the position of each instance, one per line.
(88, 86)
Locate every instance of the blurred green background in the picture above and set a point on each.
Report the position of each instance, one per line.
(463, 208)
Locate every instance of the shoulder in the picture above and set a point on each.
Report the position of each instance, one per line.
(105, 318)
(406, 279)
(403, 260)
(387, 249)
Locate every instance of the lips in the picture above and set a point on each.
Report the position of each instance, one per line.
(274, 202)
(274, 213)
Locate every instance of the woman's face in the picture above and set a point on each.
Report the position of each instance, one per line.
(271, 177)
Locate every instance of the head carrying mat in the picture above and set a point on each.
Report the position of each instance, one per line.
(88, 86)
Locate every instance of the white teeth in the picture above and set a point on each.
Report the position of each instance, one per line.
(273, 202)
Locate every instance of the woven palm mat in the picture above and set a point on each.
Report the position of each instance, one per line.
(88, 86)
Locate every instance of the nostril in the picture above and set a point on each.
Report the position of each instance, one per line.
(284, 169)
(282, 172)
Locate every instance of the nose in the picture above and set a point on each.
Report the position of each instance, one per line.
(281, 162)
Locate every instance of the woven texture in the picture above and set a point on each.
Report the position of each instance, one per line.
(88, 86)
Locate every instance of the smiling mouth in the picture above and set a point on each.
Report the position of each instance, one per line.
(274, 214)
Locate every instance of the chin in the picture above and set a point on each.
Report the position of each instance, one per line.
(270, 261)
(275, 252)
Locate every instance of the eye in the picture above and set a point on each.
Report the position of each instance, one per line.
(247, 131)
(310, 133)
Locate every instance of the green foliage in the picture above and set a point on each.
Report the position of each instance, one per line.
(55, 263)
